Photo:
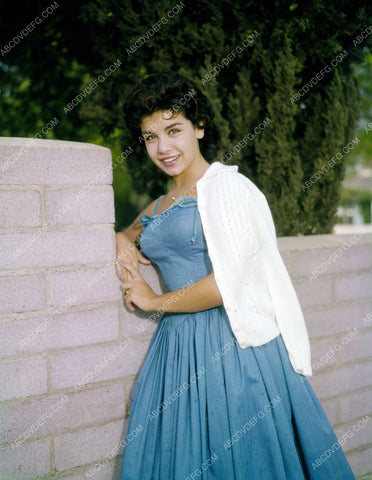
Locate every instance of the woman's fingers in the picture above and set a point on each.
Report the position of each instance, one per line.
(142, 259)
(123, 273)
(133, 270)
(129, 269)
(118, 269)
(126, 285)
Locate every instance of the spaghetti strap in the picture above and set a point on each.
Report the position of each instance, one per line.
(156, 204)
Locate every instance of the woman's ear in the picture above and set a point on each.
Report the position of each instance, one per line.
(200, 130)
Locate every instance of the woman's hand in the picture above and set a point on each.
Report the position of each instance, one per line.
(126, 251)
(140, 293)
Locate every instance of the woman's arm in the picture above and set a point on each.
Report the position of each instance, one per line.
(133, 232)
(195, 297)
(127, 244)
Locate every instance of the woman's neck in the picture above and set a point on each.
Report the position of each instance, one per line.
(187, 179)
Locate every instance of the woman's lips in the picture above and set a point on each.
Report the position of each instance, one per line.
(170, 161)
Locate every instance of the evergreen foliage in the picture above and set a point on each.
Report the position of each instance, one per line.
(292, 44)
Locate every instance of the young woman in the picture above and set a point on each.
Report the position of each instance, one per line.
(222, 393)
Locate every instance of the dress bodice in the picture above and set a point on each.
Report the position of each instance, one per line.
(175, 242)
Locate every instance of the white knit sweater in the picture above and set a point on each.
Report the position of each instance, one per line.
(254, 284)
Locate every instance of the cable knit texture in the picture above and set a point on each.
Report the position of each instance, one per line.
(256, 289)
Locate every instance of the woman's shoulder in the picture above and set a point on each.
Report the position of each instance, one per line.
(149, 208)
(230, 180)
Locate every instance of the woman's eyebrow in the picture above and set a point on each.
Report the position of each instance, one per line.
(173, 125)
(166, 128)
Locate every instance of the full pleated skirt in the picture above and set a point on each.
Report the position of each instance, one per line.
(205, 408)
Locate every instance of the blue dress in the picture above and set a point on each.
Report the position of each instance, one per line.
(205, 408)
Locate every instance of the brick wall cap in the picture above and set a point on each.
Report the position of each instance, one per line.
(41, 143)
(314, 242)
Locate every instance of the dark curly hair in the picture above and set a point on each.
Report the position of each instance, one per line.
(173, 92)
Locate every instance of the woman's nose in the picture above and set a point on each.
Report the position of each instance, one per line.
(163, 145)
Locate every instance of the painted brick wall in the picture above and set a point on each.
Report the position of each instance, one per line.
(332, 275)
(70, 352)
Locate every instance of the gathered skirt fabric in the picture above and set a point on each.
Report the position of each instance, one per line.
(205, 408)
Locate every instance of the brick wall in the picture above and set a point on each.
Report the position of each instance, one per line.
(333, 279)
(70, 352)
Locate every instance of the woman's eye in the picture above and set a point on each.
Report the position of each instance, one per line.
(148, 138)
(174, 130)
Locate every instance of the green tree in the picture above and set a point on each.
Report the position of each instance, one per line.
(363, 153)
(294, 43)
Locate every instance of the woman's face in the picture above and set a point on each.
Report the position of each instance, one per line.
(171, 143)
